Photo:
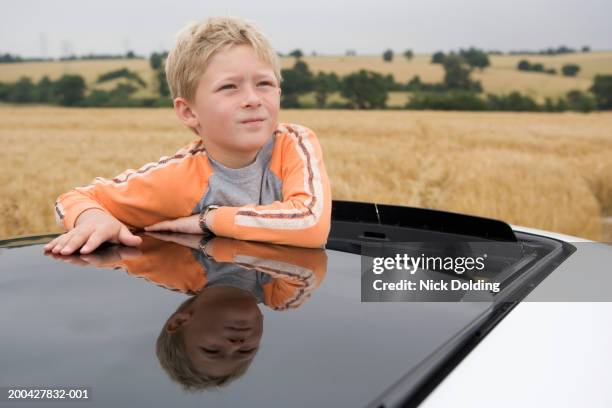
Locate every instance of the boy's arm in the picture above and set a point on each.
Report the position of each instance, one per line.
(303, 217)
(140, 197)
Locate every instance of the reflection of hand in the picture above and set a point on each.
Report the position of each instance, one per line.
(107, 257)
(189, 225)
(188, 240)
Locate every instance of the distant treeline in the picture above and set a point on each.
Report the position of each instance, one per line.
(10, 58)
(7, 58)
(302, 89)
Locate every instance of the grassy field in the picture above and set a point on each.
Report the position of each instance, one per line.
(501, 77)
(550, 171)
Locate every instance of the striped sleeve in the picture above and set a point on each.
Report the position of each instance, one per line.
(303, 217)
(167, 189)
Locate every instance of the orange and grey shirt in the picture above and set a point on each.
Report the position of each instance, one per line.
(283, 197)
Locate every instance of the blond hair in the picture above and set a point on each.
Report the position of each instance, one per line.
(197, 43)
(173, 358)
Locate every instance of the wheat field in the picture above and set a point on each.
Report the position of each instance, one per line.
(549, 171)
(501, 77)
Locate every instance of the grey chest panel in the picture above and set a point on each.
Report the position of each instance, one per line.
(253, 184)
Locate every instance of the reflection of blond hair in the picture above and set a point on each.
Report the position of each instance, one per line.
(172, 356)
(197, 43)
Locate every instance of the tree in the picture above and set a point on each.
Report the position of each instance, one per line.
(457, 74)
(297, 53)
(23, 91)
(388, 55)
(130, 55)
(296, 80)
(162, 83)
(408, 54)
(602, 89)
(475, 58)
(155, 60)
(438, 58)
(44, 90)
(324, 84)
(414, 84)
(365, 90)
(570, 70)
(69, 89)
(586, 48)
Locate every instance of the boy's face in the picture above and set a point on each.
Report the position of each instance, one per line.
(236, 105)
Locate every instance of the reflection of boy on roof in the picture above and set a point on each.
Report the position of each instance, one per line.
(213, 336)
(246, 176)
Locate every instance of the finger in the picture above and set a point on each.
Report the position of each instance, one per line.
(61, 242)
(127, 238)
(51, 244)
(75, 242)
(94, 241)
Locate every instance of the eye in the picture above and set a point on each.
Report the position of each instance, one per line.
(249, 351)
(228, 86)
(265, 83)
(209, 351)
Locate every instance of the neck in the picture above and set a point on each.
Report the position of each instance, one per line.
(235, 160)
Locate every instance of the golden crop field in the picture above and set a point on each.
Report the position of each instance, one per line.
(549, 171)
(501, 77)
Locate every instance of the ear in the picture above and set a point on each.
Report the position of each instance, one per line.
(178, 320)
(185, 113)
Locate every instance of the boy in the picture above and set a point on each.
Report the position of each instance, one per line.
(248, 177)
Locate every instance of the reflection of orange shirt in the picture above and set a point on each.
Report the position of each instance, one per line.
(295, 272)
(174, 186)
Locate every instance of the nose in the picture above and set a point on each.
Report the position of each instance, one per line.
(236, 340)
(251, 98)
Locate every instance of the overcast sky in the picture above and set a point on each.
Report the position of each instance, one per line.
(54, 28)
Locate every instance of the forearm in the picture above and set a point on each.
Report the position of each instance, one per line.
(287, 223)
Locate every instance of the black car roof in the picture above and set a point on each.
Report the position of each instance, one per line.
(84, 326)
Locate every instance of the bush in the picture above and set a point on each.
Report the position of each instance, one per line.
(22, 91)
(570, 70)
(438, 58)
(580, 101)
(69, 90)
(388, 55)
(524, 65)
(512, 102)
(297, 53)
(450, 100)
(290, 101)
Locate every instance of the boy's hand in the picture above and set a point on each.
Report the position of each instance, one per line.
(188, 225)
(93, 227)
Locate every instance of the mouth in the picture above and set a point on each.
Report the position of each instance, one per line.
(252, 120)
